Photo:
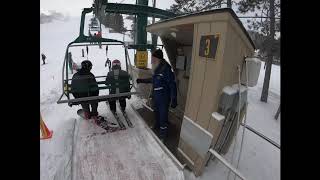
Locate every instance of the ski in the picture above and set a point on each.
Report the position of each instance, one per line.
(125, 115)
(101, 122)
(108, 126)
(121, 125)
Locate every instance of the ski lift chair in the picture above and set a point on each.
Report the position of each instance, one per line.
(66, 81)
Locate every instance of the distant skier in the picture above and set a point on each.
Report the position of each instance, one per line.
(43, 57)
(75, 66)
(90, 35)
(84, 84)
(70, 62)
(108, 63)
(107, 50)
(120, 83)
(87, 48)
(99, 35)
(82, 52)
(95, 36)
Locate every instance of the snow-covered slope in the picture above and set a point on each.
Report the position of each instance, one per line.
(60, 158)
(260, 160)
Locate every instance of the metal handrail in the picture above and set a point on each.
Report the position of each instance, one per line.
(228, 165)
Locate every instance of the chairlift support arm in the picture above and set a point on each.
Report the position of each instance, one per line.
(135, 9)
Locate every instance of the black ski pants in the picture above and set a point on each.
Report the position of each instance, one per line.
(112, 104)
(94, 108)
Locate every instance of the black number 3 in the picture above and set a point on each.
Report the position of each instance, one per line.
(207, 50)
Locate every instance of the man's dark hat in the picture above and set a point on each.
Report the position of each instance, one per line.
(158, 54)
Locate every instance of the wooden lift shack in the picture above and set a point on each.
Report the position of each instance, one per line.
(205, 50)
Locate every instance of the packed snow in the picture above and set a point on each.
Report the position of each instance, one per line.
(260, 160)
(70, 154)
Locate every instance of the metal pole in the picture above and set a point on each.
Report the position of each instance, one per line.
(245, 118)
(238, 119)
(125, 52)
(277, 114)
(153, 36)
(261, 135)
(221, 159)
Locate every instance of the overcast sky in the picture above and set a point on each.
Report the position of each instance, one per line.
(74, 7)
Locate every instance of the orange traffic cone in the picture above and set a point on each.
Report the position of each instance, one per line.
(46, 134)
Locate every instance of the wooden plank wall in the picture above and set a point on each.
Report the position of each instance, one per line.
(208, 77)
(204, 79)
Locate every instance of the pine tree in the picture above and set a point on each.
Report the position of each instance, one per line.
(114, 21)
(133, 25)
(267, 26)
(189, 6)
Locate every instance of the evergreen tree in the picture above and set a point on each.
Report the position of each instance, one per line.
(189, 6)
(114, 21)
(133, 25)
(267, 26)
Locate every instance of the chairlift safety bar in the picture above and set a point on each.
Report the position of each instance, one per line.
(93, 98)
(75, 45)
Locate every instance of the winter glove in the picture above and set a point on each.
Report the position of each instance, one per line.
(174, 103)
(149, 80)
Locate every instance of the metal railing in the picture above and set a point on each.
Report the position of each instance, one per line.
(228, 165)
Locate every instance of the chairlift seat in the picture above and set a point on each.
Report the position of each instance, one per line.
(83, 40)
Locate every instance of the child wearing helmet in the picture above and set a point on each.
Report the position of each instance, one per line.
(84, 84)
(119, 80)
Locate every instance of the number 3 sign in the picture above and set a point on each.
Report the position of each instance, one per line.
(208, 46)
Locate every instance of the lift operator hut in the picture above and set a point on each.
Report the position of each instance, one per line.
(204, 50)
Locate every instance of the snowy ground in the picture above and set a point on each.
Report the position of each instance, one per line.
(130, 154)
(260, 159)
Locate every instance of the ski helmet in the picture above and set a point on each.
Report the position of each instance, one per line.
(86, 65)
(116, 63)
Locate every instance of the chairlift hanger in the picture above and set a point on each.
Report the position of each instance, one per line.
(83, 40)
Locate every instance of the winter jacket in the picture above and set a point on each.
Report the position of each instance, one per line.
(164, 85)
(119, 81)
(84, 84)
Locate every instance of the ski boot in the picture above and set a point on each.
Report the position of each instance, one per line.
(93, 116)
(87, 115)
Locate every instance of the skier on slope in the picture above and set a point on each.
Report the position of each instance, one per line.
(70, 62)
(84, 84)
(43, 57)
(120, 83)
(90, 36)
(164, 91)
(107, 51)
(87, 49)
(108, 63)
(82, 52)
(99, 34)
